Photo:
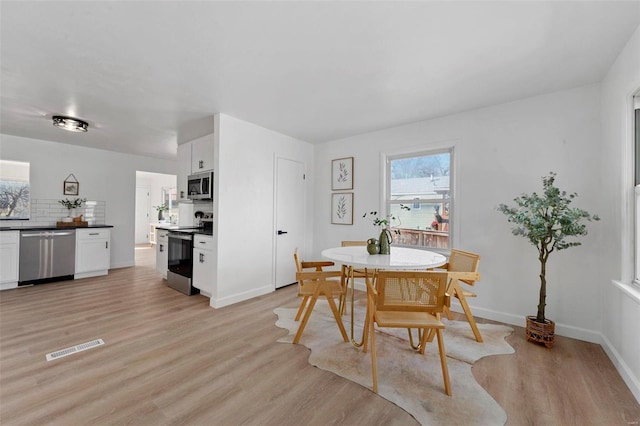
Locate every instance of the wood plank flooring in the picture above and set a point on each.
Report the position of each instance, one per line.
(171, 359)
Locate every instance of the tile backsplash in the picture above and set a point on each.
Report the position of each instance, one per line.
(48, 212)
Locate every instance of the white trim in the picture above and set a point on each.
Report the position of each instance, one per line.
(630, 290)
(629, 377)
(240, 297)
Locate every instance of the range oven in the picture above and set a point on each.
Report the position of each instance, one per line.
(180, 262)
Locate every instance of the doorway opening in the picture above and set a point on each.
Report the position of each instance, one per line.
(156, 204)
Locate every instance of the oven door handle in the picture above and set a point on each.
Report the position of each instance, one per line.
(180, 236)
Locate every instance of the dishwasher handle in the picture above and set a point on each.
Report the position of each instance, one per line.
(46, 234)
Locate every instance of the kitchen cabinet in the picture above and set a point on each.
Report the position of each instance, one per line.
(203, 264)
(93, 252)
(9, 259)
(184, 169)
(162, 252)
(194, 157)
(202, 154)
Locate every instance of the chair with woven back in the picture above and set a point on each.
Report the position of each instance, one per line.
(313, 284)
(407, 299)
(463, 270)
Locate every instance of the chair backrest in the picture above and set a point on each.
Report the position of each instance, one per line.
(416, 291)
(463, 261)
(296, 258)
(353, 243)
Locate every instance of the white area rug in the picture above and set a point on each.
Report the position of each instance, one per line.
(406, 378)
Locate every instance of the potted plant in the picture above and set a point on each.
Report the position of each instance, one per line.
(161, 208)
(385, 235)
(70, 205)
(547, 221)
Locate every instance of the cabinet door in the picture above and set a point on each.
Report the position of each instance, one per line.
(184, 169)
(93, 251)
(8, 263)
(162, 258)
(92, 255)
(202, 154)
(203, 271)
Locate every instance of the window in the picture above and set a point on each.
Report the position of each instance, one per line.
(419, 197)
(15, 192)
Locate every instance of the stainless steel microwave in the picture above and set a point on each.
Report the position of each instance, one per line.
(200, 186)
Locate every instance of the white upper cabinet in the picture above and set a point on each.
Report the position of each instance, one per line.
(202, 154)
(194, 157)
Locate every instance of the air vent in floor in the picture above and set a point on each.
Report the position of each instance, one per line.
(74, 349)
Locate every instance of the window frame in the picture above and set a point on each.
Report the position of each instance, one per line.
(386, 193)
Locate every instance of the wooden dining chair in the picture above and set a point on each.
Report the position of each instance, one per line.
(407, 299)
(463, 270)
(316, 283)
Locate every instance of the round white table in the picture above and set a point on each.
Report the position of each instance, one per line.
(399, 259)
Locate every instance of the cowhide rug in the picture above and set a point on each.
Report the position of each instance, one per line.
(406, 378)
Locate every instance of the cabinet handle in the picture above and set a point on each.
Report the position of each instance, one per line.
(201, 257)
(181, 194)
(94, 233)
(160, 248)
(106, 244)
(201, 164)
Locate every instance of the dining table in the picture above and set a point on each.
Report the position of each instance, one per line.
(400, 258)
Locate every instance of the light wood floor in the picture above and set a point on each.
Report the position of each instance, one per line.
(171, 359)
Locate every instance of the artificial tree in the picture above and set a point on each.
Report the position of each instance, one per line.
(547, 221)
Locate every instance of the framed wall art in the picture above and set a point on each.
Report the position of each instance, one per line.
(342, 174)
(71, 185)
(342, 208)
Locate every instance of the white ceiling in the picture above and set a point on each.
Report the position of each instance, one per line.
(146, 74)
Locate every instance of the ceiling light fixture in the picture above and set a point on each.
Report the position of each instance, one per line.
(70, 124)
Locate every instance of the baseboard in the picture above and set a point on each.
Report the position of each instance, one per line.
(240, 297)
(517, 320)
(8, 286)
(629, 377)
(122, 265)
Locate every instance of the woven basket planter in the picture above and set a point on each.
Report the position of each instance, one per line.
(540, 332)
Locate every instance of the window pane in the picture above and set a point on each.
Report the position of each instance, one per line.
(14, 190)
(421, 183)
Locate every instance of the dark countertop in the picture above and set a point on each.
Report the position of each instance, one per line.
(50, 228)
(187, 229)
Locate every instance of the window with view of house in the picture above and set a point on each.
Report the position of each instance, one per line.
(15, 194)
(419, 189)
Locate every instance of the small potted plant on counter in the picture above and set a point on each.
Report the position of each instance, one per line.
(161, 209)
(70, 205)
(546, 221)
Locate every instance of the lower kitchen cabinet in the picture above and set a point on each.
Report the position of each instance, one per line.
(93, 252)
(9, 259)
(203, 265)
(162, 252)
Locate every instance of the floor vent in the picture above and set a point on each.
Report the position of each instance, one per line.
(74, 349)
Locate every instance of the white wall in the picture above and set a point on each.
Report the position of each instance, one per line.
(244, 206)
(621, 301)
(103, 175)
(500, 152)
(155, 182)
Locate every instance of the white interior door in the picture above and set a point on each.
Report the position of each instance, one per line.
(290, 202)
(142, 214)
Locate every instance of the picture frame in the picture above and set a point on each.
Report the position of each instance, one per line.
(342, 174)
(342, 208)
(71, 187)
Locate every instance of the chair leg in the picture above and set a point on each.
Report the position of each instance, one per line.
(306, 316)
(443, 362)
(301, 308)
(447, 312)
(374, 366)
(337, 316)
(467, 311)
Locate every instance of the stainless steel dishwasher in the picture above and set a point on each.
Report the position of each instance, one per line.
(47, 256)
